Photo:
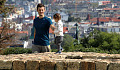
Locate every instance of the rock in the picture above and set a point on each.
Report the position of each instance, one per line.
(5, 65)
(73, 66)
(46, 65)
(32, 65)
(87, 66)
(61, 65)
(101, 65)
(114, 66)
(18, 65)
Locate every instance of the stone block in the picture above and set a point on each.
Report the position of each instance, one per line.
(5, 65)
(32, 65)
(46, 65)
(101, 65)
(87, 66)
(61, 65)
(73, 66)
(73, 57)
(89, 57)
(114, 66)
(18, 65)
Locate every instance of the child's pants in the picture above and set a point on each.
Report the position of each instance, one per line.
(58, 41)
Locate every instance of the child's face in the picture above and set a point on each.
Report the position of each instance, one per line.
(56, 20)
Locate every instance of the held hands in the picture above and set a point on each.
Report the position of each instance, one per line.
(52, 32)
(52, 27)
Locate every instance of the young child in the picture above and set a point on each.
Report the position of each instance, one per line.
(58, 31)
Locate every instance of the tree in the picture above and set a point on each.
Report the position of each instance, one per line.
(67, 43)
(70, 19)
(6, 33)
(3, 9)
(103, 40)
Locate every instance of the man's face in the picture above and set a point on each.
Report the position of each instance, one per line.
(41, 11)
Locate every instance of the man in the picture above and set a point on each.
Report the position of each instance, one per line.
(41, 32)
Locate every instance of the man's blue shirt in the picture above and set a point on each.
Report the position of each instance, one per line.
(42, 31)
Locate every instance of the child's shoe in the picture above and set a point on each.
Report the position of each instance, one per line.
(62, 49)
(59, 52)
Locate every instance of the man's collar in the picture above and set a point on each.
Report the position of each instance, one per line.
(41, 17)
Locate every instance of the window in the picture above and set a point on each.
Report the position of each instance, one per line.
(102, 23)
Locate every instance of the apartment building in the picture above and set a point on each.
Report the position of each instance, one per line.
(98, 0)
(108, 12)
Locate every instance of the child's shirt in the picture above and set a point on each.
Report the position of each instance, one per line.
(59, 28)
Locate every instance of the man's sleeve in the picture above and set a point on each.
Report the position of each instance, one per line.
(32, 32)
(50, 21)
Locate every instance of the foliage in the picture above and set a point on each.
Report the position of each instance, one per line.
(102, 40)
(93, 49)
(97, 41)
(67, 43)
(6, 33)
(15, 50)
(76, 42)
(4, 10)
(94, 4)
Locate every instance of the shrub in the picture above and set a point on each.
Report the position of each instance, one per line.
(15, 50)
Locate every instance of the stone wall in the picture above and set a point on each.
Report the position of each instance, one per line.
(64, 61)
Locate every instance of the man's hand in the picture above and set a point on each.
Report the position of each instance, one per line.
(52, 32)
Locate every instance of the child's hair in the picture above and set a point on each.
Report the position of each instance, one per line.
(57, 16)
(40, 5)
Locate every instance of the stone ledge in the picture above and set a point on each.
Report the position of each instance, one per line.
(64, 61)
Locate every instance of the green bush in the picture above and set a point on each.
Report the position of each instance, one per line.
(15, 50)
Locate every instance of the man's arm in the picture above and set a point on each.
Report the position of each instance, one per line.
(34, 33)
(52, 27)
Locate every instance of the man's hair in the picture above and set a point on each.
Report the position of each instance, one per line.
(57, 16)
(40, 5)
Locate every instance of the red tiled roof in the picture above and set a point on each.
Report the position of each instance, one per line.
(7, 31)
(1, 28)
(65, 29)
(85, 23)
(12, 30)
(111, 9)
(106, 19)
(115, 20)
(22, 32)
(105, 2)
(100, 20)
(117, 15)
